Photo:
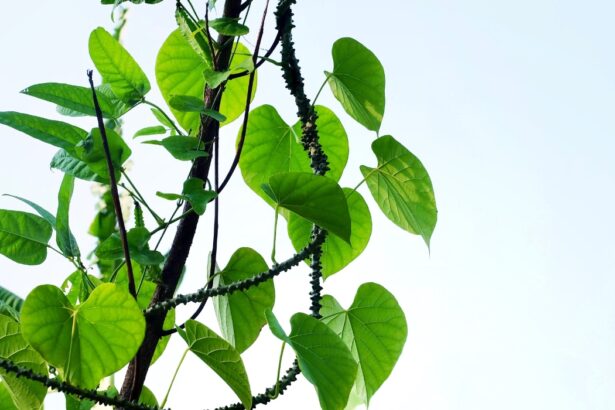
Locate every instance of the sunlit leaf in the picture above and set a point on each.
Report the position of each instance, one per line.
(153, 130)
(357, 81)
(374, 328)
(402, 188)
(64, 237)
(86, 342)
(24, 237)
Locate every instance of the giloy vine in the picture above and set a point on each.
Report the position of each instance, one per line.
(116, 308)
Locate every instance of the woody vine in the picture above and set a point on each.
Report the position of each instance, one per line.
(117, 308)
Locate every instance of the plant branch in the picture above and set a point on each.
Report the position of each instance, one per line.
(114, 193)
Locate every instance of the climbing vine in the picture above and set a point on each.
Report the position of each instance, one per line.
(117, 308)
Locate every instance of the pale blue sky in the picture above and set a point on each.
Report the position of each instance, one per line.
(510, 107)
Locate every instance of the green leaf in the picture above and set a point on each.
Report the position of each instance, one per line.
(241, 315)
(154, 130)
(76, 289)
(24, 237)
(117, 67)
(186, 103)
(182, 148)
(78, 99)
(228, 26)
(148, 398)
(374, 328)
(316, 198)
(162, 118)
(215, 78)
(271, 146)
(194, 193)
(221, 357)
(195, 34)
(10, 299)
(91, 151)
(52, 132)
(65, 162)
(86, 342)
(402, 188)
(19, 393)
(179, 71)
(64, 237)
(323, 358)
(138, 247)
(357, 81)
(336, 254)
(45, 214)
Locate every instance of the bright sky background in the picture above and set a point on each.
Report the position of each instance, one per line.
(510, 107)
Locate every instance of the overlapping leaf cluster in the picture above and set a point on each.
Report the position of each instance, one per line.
(92, 327)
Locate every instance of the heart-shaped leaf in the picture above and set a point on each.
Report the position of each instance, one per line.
(241, 315)
(271, 146)
(89, 341)
(336, 254)
(323, 358)
(24, 237)
(374, 328)
(117, 67)
(18, 392)
(314, 197)
(357, 81)
(180, 71)
(402, 188)
(221, 357)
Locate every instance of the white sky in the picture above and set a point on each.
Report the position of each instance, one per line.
(510, 107)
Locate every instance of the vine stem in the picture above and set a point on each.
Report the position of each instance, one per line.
(166, 396)
(322, 86)
(141, 198)
(114, 193)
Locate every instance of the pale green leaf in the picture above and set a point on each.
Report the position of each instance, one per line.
(24, 237)
(241, 315)
(117, 67)
(86, 342)
(153, 130)
(314, 197)
(323, 358)
(271, 146)
(402, 188)
(374, 328)
(336, 254)
(221, 357)
(228, 26)
(19, 393)
(357, 81)
(179, 71)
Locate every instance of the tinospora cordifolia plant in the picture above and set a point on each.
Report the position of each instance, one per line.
(117, 307)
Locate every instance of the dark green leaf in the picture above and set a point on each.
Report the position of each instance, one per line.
(162, 118)
(374, 328)
(187, 103)
(336, 254)
(24, 237)
(263, 156)
(10, 299)
(316, 198)
(78, 99)
(138, 247)
(117, 67)
(241, 315)
(402, 188)
(323, 358)
(19, 393)
(357, 81)
(91, 152)
(229, 26)
(215, 78)
(194, 193)
(179, 71)
(46, 215)
(64, 237)
(52, 132)
(68, 164)
(182, 148)
(72, 338)
(221, 357)
(154, 130)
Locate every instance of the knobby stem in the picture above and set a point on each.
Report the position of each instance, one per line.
(166, 396)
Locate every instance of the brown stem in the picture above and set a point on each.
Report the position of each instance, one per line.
(208, 133)
(114, 193)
